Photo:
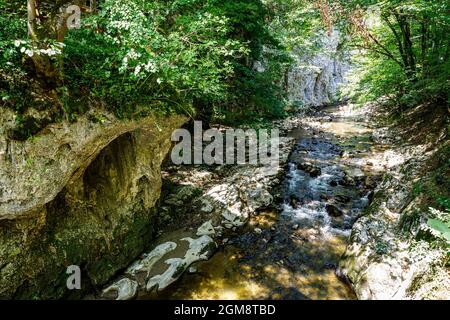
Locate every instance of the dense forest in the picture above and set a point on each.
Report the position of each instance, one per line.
(80, 79)
(135, 56)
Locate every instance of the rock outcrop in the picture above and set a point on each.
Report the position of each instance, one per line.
(80, 193)
(314, 78)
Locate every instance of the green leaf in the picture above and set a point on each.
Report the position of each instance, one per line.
(441, 227)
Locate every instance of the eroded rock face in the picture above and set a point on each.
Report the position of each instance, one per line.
(81, 194)
(314, 79)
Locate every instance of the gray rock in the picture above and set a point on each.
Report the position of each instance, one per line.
(314, 79)
(347, 181)
(312, 170)
(207, 205)
(206, 229)
(258, 198)
(193, 270)
(124, 289)
(199, 249)
(145, 265)
(334, 211)
(258, 230)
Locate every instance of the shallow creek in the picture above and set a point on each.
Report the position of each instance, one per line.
(292, 252)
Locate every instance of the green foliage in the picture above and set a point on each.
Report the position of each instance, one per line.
(434, 186)
(151, 54)
(438, 225)
(255, 89)
(224, 58)
(13, 74)
(297, 24)
(444, 202)
(134, 56)
(405, 49)
(382, 247)
(441, 228)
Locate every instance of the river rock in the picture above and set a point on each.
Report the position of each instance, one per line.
(258, 198)
(234, 216)
(370, 183)
(312, 170)
(347, 181)
(333, 211)
(342, 198)
(333, 183)
(193, 270)
(258, 231)
(199, 249)
(370, 197)
(206, 205)
(206, 229)
(295, 202)
(181, 195)
(124, 289)
(145, 265)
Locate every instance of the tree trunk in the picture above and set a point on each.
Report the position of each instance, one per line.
(32, 17)
(405, 28)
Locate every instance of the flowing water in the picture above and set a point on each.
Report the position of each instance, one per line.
(296, 254)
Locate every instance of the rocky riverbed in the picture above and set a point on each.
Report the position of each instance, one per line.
(311, 229)
(247, 232)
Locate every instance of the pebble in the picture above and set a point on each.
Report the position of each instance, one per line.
(192, 270)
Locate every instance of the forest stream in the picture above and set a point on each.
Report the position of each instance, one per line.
(224, 150)
(292, 252)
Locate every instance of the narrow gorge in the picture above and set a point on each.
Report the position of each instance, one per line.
(352, 202)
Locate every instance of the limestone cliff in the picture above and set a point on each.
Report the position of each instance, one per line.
(314, 78)
(78, 193)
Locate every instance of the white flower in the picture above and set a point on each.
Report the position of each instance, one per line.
(150, 67)
(137, 70)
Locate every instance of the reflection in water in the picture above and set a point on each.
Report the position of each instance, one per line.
(295, 251)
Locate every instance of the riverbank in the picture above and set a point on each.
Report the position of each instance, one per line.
(393, 252)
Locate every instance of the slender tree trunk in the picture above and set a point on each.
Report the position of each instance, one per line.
(405, 28)
(424, 43)
(45, 69)
(286, 81)
(32, 17)
(400, 46)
